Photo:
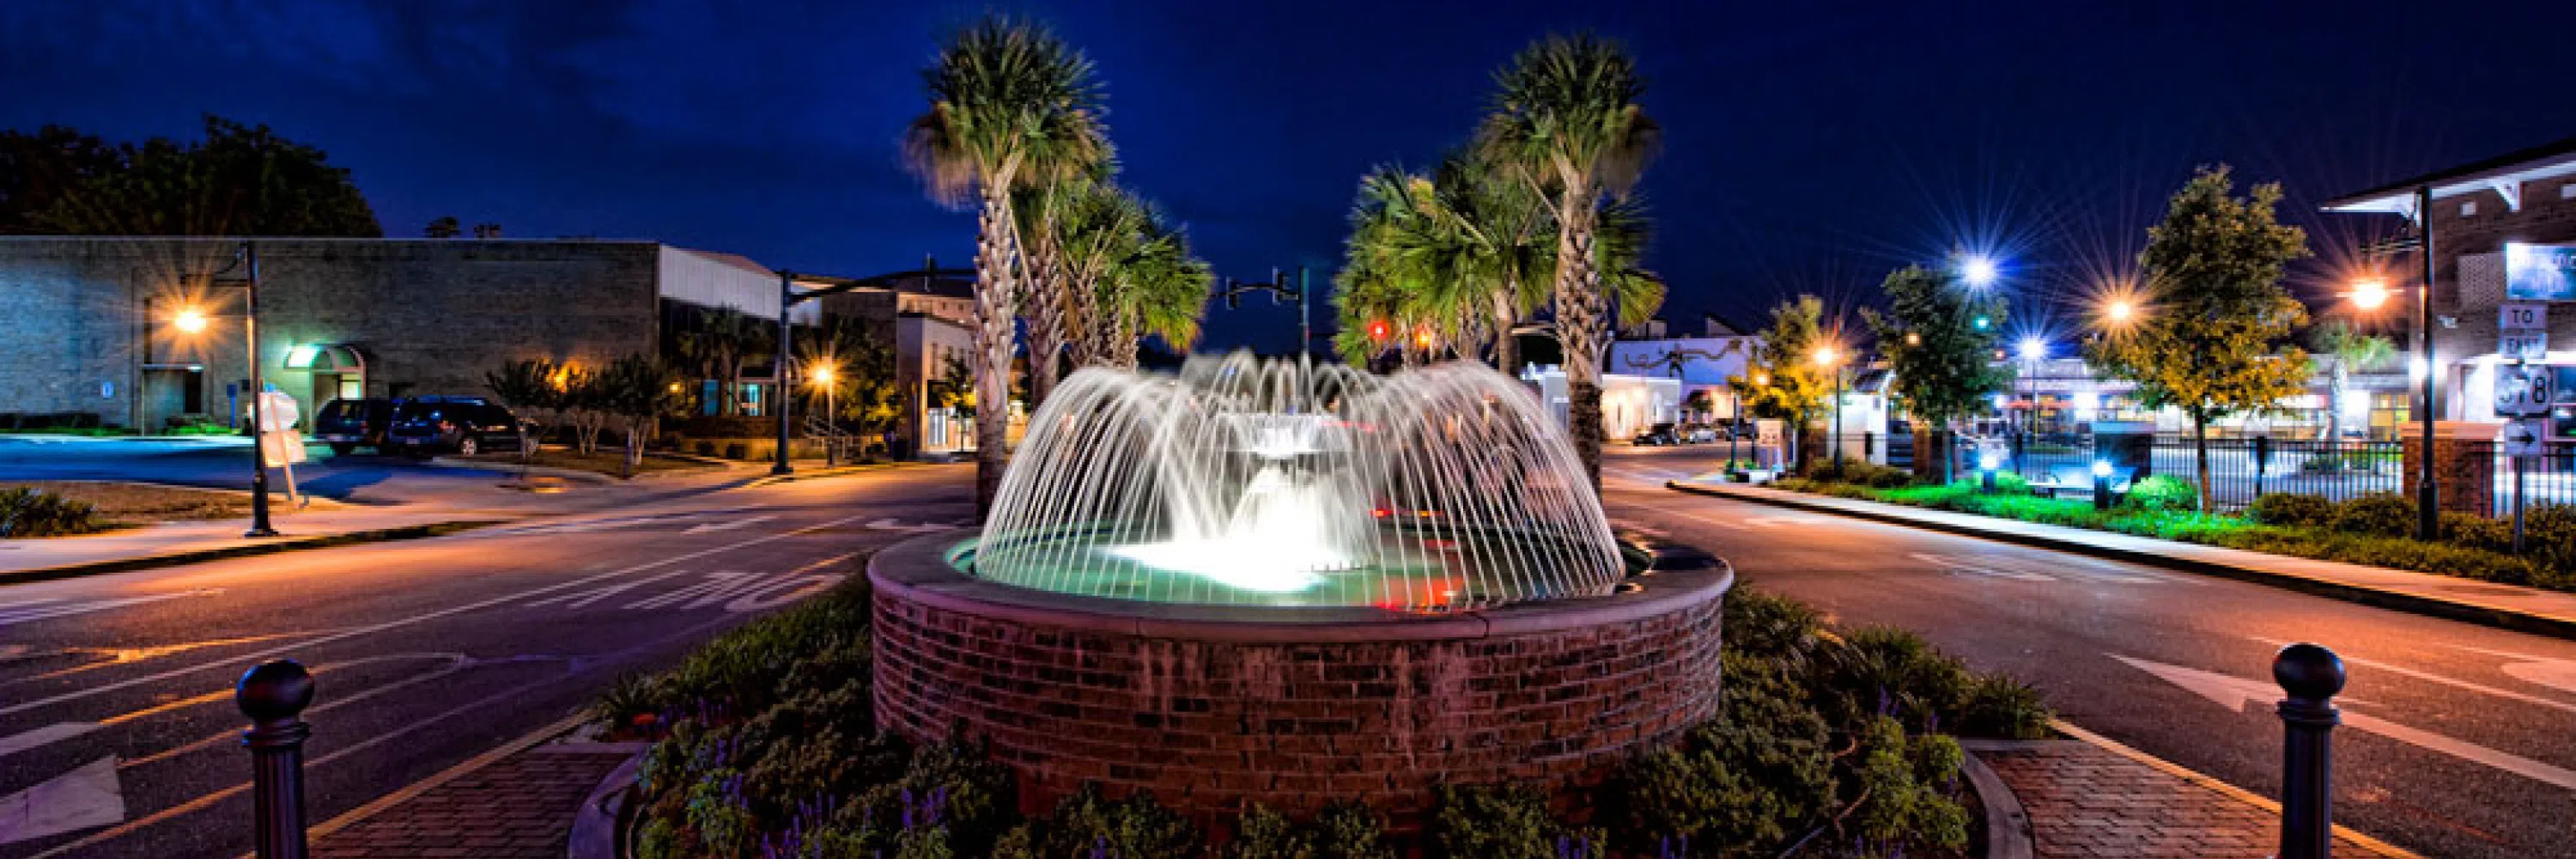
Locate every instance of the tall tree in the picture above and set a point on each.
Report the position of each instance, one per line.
(1794, 386)
(2216, 343)
(636, 390)
(720, 344)
(1943, 361)
(239, 181)
(39, 170)
(1102, 227)
(1158, 289)
(1011, 106)
(534, 389)
(2341, 348)
(1565, 115)
(442, 227)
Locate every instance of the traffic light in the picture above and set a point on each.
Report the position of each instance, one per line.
(1233, 299)
(1379, 331)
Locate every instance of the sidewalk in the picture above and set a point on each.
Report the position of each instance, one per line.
(2500, 605)
(520, 805)
(2090, 797)
(175, 542)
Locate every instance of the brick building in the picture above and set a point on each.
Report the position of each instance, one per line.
(91, 327)
(2525, 198)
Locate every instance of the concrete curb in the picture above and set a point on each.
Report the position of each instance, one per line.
(597, 828)
(146, 562)
(2007, 825)
(2448, 609)
(818, 473)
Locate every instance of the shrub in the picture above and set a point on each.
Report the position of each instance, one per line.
(1761, 625)
(2384, 514)
(1341, 831)
(2163, 493)
(1900, 793)
(2479, 532)
(1742, 785)
(26, 512)
(1087, 824)
(2000, 705)
(2291, 509)
(1497, 822)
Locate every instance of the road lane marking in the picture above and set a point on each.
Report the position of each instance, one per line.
(726, 525)
(85, 797)
(1980, 568)
(25, 740)
(2479, 688)
(40, 612)
(2235, 693)
(2536, 670)
(456, 662)
(1739, 526)
(371, 629)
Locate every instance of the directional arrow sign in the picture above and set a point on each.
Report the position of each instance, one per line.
(2523, 437)
(2236, 694)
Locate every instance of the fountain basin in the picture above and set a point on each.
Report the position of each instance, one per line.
(1211, 706)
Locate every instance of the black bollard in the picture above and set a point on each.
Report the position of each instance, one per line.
(272, 695)
(2311, 675)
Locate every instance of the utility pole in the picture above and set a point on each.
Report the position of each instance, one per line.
(2428, 497)
(259, 526)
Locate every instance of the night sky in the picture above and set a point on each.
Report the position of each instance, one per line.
(1805, 150)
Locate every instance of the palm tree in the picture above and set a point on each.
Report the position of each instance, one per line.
(1515, 237)
(1011, 106)
(719, 345)
(2340, 349)
(1155, 289)
(1099, 226)
(1565, 117)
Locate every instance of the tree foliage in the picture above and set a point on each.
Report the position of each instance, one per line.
(637, 391)
(240, 180)
(2216, 343)
(1792, 385)
(863, 390)
(1942, 359)
(533, 389)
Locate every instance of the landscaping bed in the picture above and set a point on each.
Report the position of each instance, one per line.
(608, 461)
(50, 508)
(1832, 743)
(2374, 529)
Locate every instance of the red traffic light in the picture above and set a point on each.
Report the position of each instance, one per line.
(1379, 331)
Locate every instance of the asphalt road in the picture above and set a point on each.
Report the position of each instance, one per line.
(118, 733)
(2459, 740)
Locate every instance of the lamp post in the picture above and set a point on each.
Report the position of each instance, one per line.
(824, 375)
(192, 321)
(2033, 350)
(2371, 294)
(1830, 358)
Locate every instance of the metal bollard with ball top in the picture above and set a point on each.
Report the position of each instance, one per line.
(273, 695)
(2310, 675)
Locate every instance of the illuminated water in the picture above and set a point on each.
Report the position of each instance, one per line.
(1283, 483)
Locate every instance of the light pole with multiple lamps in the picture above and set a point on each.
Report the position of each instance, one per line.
(193, 321)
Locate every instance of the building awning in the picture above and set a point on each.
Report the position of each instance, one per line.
(2503, 174)
(326, 358)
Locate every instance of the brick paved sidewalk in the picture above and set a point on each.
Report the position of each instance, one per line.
(2084, 801)
(519, 807)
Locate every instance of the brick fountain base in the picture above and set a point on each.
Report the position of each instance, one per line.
(1213, 706)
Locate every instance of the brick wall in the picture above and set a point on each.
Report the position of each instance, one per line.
(1207, 723)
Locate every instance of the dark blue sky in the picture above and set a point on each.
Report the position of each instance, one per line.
(1808, 148)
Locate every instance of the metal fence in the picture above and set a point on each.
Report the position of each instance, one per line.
(2531, 480)
(2242, 468)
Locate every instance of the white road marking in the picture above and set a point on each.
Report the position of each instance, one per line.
(2481, 688)
(2236, 693)
(1980, 568)
(2535, 670)
(727, 525)
(33, 611)
(24, 740)
(80, 799)
(235, 662)
(1739, 526)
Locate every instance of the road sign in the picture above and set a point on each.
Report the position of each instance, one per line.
(2526, 437)
(2540, 272)
(2523, 390)
(2522, 317)
(2523, 345)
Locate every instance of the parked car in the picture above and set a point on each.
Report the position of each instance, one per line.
(427, 426)
(1661, 433)
(347, 425)
(1699, 434)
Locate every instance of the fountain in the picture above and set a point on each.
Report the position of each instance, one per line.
(1295, 584)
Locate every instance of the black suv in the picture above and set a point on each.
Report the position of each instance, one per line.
(351, 424)
(427, 426)
(1660, 433)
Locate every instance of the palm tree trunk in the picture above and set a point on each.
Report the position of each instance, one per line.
(1122, 346)
(993, 314)
(1579, 321)
(1506, 348)
(1082, 325)
(1044, 299)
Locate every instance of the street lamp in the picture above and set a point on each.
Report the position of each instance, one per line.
(1979, 271)
(192, 321)
(2119, 310)
(2371, 293)
(823, 375)
(2033, 350)
(1827, 356)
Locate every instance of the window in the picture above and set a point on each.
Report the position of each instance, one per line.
(2567, 191)
(2468, 208)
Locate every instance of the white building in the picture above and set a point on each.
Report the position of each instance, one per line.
(1697, 365)
(1629, 403)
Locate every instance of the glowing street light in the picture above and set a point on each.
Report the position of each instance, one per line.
(1979, 271)
(2033, 348)
(1828, 356)
(1825, 356)
(191, 321)
(823, 376)
(2119, 311)
(2369, 294)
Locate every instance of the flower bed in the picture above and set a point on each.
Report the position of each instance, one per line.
(1831, 743)
(2371, 529)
